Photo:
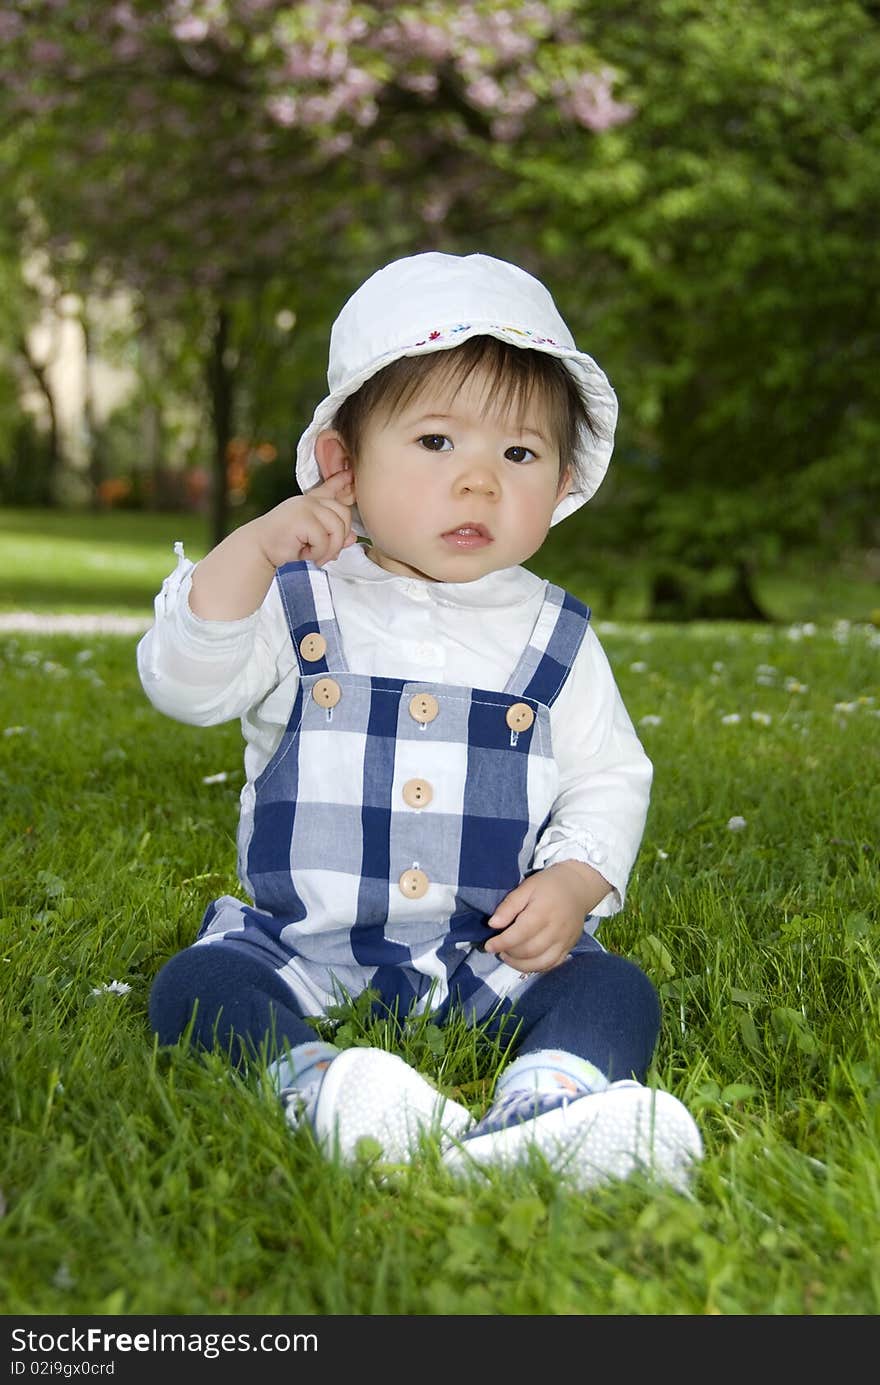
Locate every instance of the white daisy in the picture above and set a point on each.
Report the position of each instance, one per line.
(114, 988)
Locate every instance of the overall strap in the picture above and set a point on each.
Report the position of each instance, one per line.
(553, 645)
(308, 608)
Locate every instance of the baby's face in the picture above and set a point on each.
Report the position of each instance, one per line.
(449, 489)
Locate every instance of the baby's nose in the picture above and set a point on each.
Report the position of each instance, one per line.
(479, 480)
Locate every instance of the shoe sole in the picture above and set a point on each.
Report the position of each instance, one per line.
(370, 1094)
(596, 1139)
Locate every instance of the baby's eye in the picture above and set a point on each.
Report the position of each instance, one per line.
(519, 454)
(435, 442)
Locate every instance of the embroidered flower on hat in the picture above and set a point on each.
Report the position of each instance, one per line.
(530, 336)
(444, 333)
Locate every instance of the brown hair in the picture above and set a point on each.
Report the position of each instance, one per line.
(514, 376)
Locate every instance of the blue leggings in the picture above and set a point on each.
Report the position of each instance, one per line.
(597, 1005)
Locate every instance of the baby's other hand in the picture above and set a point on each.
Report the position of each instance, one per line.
(316, 526)
(541, 920)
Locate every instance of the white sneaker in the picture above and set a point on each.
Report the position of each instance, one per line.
(588, 1139)
(368, 1093)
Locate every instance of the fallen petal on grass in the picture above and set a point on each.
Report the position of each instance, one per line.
(113, 988)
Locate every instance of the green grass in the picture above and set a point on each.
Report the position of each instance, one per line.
(56, 561)
(61, 562)
(137, 1181)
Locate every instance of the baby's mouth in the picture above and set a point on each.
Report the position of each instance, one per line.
(468, 536)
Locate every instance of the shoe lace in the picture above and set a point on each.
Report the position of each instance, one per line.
(520, 1105)
(293, 1104)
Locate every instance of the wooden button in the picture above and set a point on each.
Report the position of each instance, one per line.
(313, 647)
(417, 793)
(520, 716)
(423, 707)
(414, 884)
(326, 692)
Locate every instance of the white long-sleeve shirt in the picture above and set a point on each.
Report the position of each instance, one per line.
(205, 672)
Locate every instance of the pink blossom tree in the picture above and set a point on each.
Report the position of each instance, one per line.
(195, 149)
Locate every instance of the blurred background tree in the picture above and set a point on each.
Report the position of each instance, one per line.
(697, 181)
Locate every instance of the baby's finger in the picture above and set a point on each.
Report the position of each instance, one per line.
(339, 486)
(340, 508)
(332, 535)
(514, 936)
(533, 953)
(511, 906)
(545, 961)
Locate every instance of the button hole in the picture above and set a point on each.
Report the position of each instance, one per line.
(514, 737)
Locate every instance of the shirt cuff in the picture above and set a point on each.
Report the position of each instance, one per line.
(169, 592)
(590, 851)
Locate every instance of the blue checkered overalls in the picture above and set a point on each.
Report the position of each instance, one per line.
(394, 817)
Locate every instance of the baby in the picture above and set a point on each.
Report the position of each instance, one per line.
(444, 793)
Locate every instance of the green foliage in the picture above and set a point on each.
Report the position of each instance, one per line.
(721, 249)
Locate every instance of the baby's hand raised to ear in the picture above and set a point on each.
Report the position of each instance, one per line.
(232, 581)
(316, 526)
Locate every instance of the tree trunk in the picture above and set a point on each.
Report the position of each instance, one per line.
(221, 394)
(40, 374)
(150, 478)
(94, 441)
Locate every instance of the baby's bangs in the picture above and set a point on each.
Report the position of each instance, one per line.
(514, 379)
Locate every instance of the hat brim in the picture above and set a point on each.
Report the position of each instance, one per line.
(593, 451)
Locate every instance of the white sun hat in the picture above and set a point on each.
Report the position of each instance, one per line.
(433, 302)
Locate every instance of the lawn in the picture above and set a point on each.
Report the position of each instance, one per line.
(138, 1181)
(54, 561)
(115, 561)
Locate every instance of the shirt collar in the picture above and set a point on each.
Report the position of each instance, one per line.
(510, 586)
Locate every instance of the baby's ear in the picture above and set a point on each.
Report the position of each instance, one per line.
(331, 454)
(564, 484)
